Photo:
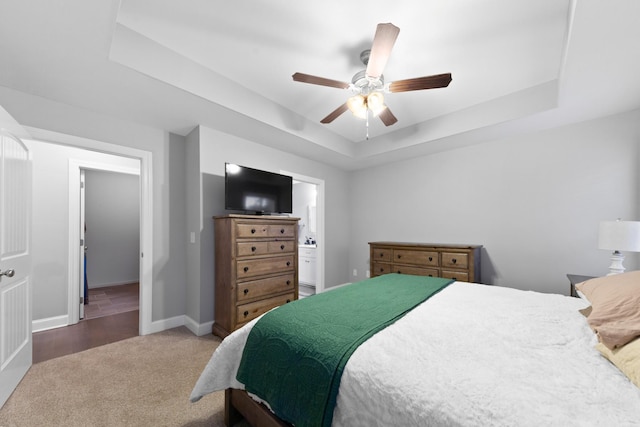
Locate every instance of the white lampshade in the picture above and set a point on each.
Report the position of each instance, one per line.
(375, 102)
(619, 236)
(358, 106)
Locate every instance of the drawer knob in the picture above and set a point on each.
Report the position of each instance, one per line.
(454, 278)
(246, 291)
(430, 258)
(253, 248)
(399, 256)
(288, 282)
(282, 247)
(246, 269)
(246, 313)
(288, 263)
(288, 300)
(399, 272)
(282, 231)
(253, 231)
(431, 275)
(454, 260)
(381, 269)
(381, 255)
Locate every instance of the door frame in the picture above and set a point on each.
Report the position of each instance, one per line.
(146, 213)
(320, 240)
(76, 167)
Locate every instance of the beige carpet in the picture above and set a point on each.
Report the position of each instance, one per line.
(142, 381)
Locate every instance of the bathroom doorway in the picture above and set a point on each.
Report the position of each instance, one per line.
(308, 205)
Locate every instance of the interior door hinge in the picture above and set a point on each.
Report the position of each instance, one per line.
(81, 300)
(81, 242)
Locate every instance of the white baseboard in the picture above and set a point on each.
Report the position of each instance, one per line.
(39, 325)
(164, 324)
(199, 329)
(337, 286)
(106, 285)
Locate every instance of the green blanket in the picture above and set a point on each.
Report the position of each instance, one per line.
(295, 354)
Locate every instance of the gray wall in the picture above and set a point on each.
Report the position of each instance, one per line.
(216, 148)
(533, 201)
(50, 219)
(112, 216)
(168, 273)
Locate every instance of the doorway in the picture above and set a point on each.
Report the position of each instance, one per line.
(110, 242)
(105, 173)
(308, 205)
(92, 155)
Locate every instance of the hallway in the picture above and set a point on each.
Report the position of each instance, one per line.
(111, 315)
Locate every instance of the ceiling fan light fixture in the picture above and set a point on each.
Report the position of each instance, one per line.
(375, 102)
(367, 85)
(358, 106)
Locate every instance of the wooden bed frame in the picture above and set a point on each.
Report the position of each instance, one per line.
(239, 405)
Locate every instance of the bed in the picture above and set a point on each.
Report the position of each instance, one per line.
(476, 355)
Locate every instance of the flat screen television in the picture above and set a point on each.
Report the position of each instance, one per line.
(257, 191)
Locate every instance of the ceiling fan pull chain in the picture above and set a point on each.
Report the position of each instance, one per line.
(367, 121)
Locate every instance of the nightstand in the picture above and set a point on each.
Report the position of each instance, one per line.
(574, 279)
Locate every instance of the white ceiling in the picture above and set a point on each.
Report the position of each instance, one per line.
(517, 66)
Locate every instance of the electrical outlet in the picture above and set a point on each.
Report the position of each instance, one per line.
(368, 274)
(355, 272)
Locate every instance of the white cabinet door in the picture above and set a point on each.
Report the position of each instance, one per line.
(15, 264)
(307, 269)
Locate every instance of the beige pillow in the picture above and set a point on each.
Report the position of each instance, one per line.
(615, 303)
(626, 358)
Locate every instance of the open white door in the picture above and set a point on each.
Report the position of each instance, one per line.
(15, 264)
(83, 249)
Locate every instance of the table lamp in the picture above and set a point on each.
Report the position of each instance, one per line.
(619, 236)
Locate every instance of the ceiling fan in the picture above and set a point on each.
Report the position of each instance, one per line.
(368, 85)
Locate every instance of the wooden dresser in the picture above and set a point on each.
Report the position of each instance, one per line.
(256, 267)
(459, 262)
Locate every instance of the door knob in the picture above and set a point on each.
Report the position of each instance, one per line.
(8, 273)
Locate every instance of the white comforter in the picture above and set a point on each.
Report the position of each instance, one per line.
(471, 355)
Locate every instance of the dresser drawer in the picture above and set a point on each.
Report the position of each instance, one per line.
(260, 266)
(281, 246)
(416, 271)
(246, 230)
(462, 276)
(259, 288)
(381, 254)
(250, 311)
(455, 260)
(264, 248)
(380, 268)
(252, 248)
(401, 256)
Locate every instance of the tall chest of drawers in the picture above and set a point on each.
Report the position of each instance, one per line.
(256, 268)
(459, 262)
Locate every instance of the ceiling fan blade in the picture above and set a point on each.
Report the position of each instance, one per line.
(383, 41)
(387, 117)
(334, 114)
(420, 83)
(308, 78)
